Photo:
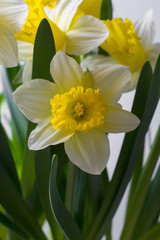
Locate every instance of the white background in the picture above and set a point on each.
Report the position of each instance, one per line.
(131, 9)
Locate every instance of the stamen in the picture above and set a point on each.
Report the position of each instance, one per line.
(78, 109)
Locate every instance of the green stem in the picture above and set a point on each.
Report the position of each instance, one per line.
(70, 187)
(142, 188)
(135, 178)
(109, 234)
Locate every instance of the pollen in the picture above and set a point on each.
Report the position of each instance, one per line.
(123, 44)
(78, 110)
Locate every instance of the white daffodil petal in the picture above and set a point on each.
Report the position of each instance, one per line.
(133, 81)
(146, 30)
(93, 61)
(33, 99)
(64, 13)
(111, 80)
(85, 34)
(152, 55)
(45, 135)
(13, 14)
(118, 120)
(65, 71)
(8, 48)
(25, 51)
(88, 150)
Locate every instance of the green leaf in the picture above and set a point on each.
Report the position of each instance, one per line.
(43, 166)
(12, 226)
(106, 13)
(18, 125)
(79, 196)
(148, 214)
(63, 217)
(16, 207)
(136, 176)
(106, 10)
(19, 121)
(141, 190)
(13, 73)
(28, 166)
(152, 233)
(43, 53)
(1, 103)
(44, 50)
(6, 159)
(96, 189)
(34, 203)
(129, 152)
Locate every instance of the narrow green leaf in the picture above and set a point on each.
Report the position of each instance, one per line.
(63, 217)
(16, 207)
(12, 72)
(149, 215)
(19, 121)
(106, 10)
(1, 103)
(44, 50)
(12, 226)
(34, 203)
(69, 200)
(43, 166)
(153, 233)
(28, 166)
(129, 153)
(135, 178)
(96, 189)
(79, 196)
(6, 159)
(141, 190)
(106, 13)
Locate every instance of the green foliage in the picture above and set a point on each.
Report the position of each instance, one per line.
(65, 220)
(106, 10)
(45, 186)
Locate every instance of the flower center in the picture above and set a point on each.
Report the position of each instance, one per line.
(78, 109)
(123, 44)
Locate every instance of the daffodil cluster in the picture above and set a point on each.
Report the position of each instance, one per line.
(80, 107)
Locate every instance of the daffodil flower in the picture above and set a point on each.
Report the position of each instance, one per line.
(86, 7)
(78, 109)
(129, 45)
(12, 17)
(73, 36)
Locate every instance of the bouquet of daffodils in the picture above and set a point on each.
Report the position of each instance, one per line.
(64, 67)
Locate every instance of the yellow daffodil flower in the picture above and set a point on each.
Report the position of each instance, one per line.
(78, 109)
(74, 37)
(129, 45)
(12, 18)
